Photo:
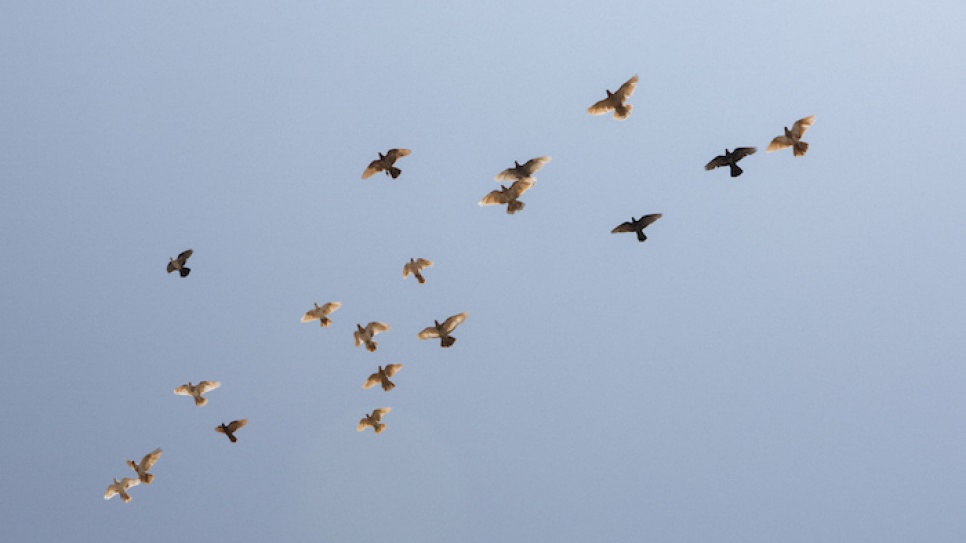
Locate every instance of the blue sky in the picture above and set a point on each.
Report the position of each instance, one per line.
(782, 360)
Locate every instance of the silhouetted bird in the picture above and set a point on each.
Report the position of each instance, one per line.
(615, 101)
(443, 331)
(382, 376)
(320, 313)
(792, 138)
(373, 420)
(178, 263)
(197, 390)
(731, 159)
(523, 171)
(120, 487)
(385, 163)
(637, 225)
(143, 467)
(230, 428)
(415, 266)
(508, 196)
(364, 335)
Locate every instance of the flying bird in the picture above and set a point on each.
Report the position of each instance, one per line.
(615, 101)
(364, 335)
(319, 313)
(120, 487)
(443, 331)
(145, 464)
(414, 266)
(179, 263)
(230, 428)
(523, 171)
(637, 225)
(373, 420)
(793, 137)
(385, 163)
(382, 377)
(197, 390)
(508, 196)
(731, 159)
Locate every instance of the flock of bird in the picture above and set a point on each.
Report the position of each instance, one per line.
(521, 179)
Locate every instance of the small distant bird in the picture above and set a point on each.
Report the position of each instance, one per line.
(145, 464)
(385, 163)
(197, 390)
(508, 196)
(364, 335)
(230, 428)
(523, 171)
(731, 159)
(793, 137)
(637, 225)
(443, 331)
(373, 420)
(178, 263)
(382, 376)
(615, 101)
(414, 266)
(120, 487)
(319, 313)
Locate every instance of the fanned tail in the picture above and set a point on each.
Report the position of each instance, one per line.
(371, 346)
(232, 438)
(379, 427)
(514, 206)
(419, 277)
(200, 401)
(735, 170)
(447, 341)
(800, 148)
(394, 172)
(388, 385)
(324, 322)
(640, 236)
(184, 271)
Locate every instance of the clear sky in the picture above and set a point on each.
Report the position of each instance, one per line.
(782, 360)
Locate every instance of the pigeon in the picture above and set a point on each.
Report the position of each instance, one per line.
(385, 163)
(382, 376)
(443, 331)
(143, 467)
(320, 313)
(230, 428)
(523, 171)
(373, 420)
(120, 487)
(364, 335)
(508, 196)
(178, 263)
(793, 137)
(415, 266)
(615, 101)
(637, 225)
(731, 159)
(197, 390)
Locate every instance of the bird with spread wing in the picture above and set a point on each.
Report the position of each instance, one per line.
(364, 335)
(616, 101)
(637, 226)
(320, 312)
(385, 163)
(373, 420)
(509, 196)
(793, 137)
(196, 391)
(443, 331)
(382, 377)
(142, 467)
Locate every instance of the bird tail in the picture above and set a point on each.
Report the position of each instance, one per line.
(735, 170)
(419, 277)
(379, 427)
(388, 385)
(623, 111)
(800, 148)
(371, 346)
(447, 341)
(147, 478)
(324, 322)
(641, 237)
(125, 496)
(184, 271)
(514, 206)
(394, 172)
(232, 438)
(200, 401)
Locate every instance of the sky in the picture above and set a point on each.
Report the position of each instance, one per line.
(782, 360)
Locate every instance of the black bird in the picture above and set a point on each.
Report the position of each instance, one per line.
(179, 263)
(731, 159)
(385, 162)
(230, 428)
(637, 225)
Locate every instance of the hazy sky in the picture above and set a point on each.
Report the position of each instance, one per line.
(782, 360)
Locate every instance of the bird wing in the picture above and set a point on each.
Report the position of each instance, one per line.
(205, 386)
(234, 425)
(183, 390)
(363, 424)
(626, 226)
(627, 89)
(519, 187)
(801, 125)
(509, 174)
(428, 333)
(495, 197)
(184, 256)
(170, 266)
(374, 167)
(451, 323)
(648, 219)
(742, 152)
(378, 413)
(111, 491)
(716, 162)
(534, 164)
(330, 307)
(780, 142)
(423, 263)
(393, 154)
(391, 369)
(372, 381)
(408, 269)
(128, 482)
(374, 328)
(150, 458)
(311, 315)
(357, 337)
(601, 107)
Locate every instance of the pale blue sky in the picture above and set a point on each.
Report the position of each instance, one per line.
(782, 360)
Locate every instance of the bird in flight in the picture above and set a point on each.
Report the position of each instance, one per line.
(145, 464)
(319, 313)
(443, 331)
(414, 266)
(508, 196)
(730, 159)
(793, 137)
(373, 420)
(230, 428)
(382, 377)
(637, 225)
(615, 101)
(523, 171)
(364, 335)
(385, 163)
(197, 390)
(120, 487)
(179, 263)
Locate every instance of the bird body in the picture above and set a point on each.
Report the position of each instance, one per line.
(196, 391)
(523, 171)
(615, 101)
(373, 420)
(730, 159)
(120, 488)
(415, 266)
(320, 313)
(179, 263)
(443, 331)
(230, 428)
(509, 196)
(364, 335)
(141, 468)
(385, 163)
(637, 226)
(793, 137)
(382, 377)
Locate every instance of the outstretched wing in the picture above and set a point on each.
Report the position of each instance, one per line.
(378, 413)
(234, 425)
(519, 187)
(330, 307)
(780, 142)
(648, 219)
(374, 328)
(372, 381)
(184, 256)
(393, 154)
(801, 125)
(716, 162)
(742, 152)
(363, 424)
(533, 165)
(183, 390)
(205, 386)
(150, 458)
(626, 226)
(428, 333)
(423, 263)
(391, 369)
(451, 323)
(374, 167)
(601, 107)
(495, 197)
(627, 89)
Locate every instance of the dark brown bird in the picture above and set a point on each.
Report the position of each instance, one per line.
(373, 420)
(508, 196)
(145, 464)
(385, 163)
(179, 263)
(523, 171)
(443, 331)
(615, 101)
(415, 266)
(731, 159)
(793, 137)
(230, 428)
(382, 377)
(637, 225)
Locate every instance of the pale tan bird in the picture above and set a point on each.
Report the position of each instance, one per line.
(179, 263)
(196, 391)
(373, 420)
(385, 163)
(319, 313)
(793, 137)
(615, 101)
(145, 464)
(230, 428)
(508, 196)
(415, 266)
(523, 171)
(364, 335)
(382, 376)
(443, 331)
(120, 487)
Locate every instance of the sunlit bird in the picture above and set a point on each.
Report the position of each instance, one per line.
(793, 137)
(443, 331)
(230, 428)
(142, 467)
(730, 159)
(120, 488)
(523, 171)
(385, 163)
(364, 335)
(508, 196)
(320, 312)
(616, 101)
(179, 263)
(382, 377)
(637, 225)
(415, 266)
(373, 420)
(196, 391)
